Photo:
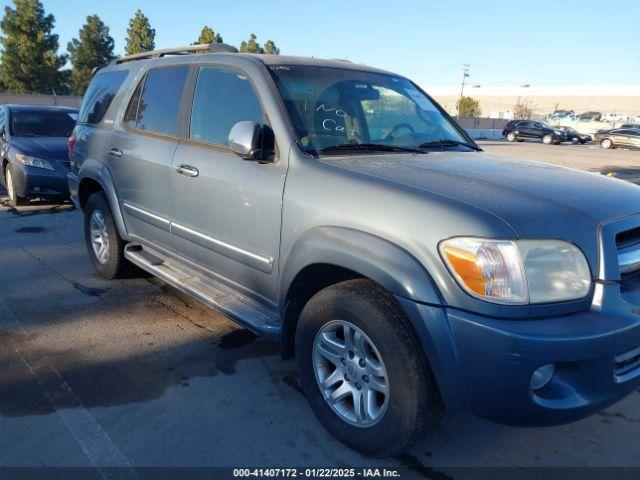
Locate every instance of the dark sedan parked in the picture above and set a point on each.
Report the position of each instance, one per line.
(532, 129)
(575, 136)
(618, 137)
(34, 151)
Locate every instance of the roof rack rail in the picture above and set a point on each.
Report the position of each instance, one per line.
(186, 50)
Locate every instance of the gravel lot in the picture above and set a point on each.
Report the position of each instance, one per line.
(133, 373)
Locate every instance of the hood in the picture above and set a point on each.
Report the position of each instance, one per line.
(537, 200)
(41, 147)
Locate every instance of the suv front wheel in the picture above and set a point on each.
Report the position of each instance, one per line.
(104, 244)
(363, 370)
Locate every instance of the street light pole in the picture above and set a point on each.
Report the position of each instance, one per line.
(465, 75)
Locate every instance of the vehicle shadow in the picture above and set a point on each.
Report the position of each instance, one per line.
(133, 347)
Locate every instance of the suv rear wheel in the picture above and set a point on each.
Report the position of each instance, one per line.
(511, 137)
(363, 370)
(104, 244)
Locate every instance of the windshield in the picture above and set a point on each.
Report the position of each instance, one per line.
(33, 123)
(333, 107)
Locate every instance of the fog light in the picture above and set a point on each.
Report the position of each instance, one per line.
(542, 376)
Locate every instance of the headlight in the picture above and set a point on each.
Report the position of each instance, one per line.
(33, 161)
(558, 132)
(517, 272)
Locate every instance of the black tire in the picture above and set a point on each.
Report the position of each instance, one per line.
(116, 265)
(15, 200)
(414, 404)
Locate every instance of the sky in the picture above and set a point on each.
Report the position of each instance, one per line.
(540, 42)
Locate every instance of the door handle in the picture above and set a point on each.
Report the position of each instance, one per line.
(115, 152)
(188, 170)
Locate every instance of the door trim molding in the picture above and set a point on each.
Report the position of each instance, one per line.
(264, 264)
(146, 215)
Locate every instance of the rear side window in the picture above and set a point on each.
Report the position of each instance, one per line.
(155, 104)
(99, 95)
(222, 98)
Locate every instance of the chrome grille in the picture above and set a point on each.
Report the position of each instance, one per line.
(628, 244)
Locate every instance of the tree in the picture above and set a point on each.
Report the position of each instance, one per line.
(207, 35)
(252, 46)
(523, 109)
(468, 107)
(29, 62)
(270, 48)
(140, 35)
(94, 49)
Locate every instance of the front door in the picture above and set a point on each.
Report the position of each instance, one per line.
(140, 153)
(226, 210)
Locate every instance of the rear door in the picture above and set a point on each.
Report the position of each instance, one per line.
(524, 129)
(140, 153)
(226, 210)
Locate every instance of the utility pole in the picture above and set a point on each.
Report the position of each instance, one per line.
(465, 75)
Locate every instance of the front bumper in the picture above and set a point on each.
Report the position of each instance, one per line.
(40, 182)
(484, 365)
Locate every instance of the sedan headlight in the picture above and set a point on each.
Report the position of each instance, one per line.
(517, 272)
(33, 161)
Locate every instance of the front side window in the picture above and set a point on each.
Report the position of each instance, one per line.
(155, 105)
(336, 107)
(42, 123)
(99, 96)
(222, 98)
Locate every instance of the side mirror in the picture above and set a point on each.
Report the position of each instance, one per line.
(245, 139)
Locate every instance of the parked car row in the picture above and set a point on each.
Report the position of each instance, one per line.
(520, 130)
(592, 116)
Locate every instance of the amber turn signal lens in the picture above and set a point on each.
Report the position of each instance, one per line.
(466, 265)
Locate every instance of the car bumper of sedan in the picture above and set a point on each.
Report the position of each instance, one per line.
(39, 182)
(485, 365)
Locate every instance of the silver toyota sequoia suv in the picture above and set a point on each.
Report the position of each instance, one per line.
(339, 210)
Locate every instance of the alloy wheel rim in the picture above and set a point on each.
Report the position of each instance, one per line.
(606, 143)
(99, 236)
(350, 373)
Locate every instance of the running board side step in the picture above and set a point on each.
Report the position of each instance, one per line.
(237, 307)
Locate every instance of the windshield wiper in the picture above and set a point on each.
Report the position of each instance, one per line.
(447, 142)
(370, 146)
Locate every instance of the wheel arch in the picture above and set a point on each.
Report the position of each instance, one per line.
(96, 178)
(324, 256)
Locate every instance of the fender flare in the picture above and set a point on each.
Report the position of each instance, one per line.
(373, 257)
(97, 171)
